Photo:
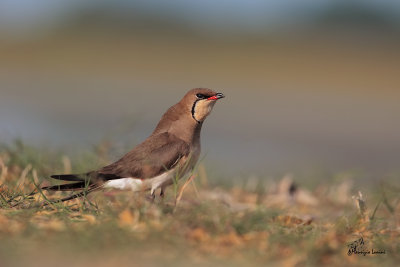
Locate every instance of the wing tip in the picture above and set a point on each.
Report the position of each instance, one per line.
(67, 177)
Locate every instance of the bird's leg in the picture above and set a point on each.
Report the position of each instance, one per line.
(153, 193)
(162, 192)
(152, 196)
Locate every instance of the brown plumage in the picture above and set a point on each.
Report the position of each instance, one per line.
(171, 150)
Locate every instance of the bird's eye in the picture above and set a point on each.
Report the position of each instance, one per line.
(201, 96)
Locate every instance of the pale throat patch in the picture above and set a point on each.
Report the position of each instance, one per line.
(202, 109)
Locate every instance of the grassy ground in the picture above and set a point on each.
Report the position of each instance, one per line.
(204, 222)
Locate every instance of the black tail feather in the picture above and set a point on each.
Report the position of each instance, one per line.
(66, 187)
(70, 177)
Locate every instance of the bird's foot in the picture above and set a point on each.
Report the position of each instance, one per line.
(162, 195)
(151, 197)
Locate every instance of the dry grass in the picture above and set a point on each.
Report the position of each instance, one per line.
(257, 223)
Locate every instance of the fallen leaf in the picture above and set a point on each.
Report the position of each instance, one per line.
(199, 235)
(126, 218)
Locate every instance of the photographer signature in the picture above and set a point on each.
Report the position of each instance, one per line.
(358, 247)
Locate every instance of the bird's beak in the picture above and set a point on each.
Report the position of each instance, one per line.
(216, 97)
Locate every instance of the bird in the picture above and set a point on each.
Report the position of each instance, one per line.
(169, 153)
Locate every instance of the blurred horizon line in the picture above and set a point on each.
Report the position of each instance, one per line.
(107, 18)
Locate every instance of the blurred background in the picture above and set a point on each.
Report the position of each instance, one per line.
(309, 84)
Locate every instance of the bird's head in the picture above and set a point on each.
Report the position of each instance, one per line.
(200, 102)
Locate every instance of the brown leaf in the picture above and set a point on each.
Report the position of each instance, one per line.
(231, 239)
(199, 235)
(127, 218)
(89, 218)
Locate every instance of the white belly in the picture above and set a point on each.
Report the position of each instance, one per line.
(135, 184)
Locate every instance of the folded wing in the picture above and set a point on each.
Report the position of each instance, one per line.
(157, 154)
